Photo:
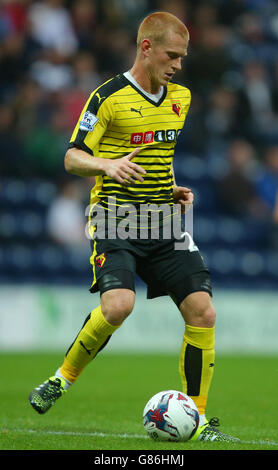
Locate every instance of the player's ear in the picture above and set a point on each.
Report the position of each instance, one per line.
(146, 45)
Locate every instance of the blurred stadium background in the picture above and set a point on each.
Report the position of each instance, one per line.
(53, 53)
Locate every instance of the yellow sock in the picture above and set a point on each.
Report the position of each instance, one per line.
(92, 337)
(197, 364)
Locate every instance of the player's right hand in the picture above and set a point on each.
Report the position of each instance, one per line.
(123, 170)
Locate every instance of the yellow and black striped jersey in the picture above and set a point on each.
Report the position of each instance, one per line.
(116, 119)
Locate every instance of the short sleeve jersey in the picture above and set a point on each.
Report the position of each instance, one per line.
(116, 119)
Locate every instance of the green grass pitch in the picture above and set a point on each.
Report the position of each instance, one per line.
(103, 411)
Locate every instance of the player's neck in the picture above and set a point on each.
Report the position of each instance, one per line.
(144, 80)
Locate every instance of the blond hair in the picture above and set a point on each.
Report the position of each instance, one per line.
(156, 25)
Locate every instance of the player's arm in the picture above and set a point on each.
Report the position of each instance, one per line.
(81, 163)
(182, 195)
(89, 130)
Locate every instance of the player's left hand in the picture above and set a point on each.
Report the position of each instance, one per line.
(184, 197)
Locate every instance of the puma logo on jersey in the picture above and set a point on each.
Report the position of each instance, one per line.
(100, 97)
(137, 110)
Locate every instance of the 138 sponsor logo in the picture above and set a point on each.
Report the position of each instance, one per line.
(169, 135)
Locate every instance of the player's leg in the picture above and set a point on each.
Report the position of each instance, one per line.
(187, 280)
(197, 354)
(197, 359)
(103, 321)
(117, 301)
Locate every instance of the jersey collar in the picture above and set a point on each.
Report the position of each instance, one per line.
(155, 103)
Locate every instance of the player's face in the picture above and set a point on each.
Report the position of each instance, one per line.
(165, 59)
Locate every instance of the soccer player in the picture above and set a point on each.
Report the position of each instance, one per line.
(125, 138)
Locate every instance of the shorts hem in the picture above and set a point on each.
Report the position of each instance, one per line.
(95, 288)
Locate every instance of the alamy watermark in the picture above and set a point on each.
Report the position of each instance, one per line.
(144, 221)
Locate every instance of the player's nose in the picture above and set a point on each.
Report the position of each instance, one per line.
(177, 65)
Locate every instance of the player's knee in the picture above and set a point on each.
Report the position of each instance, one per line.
(203, 317)
(198, 310)
(116, 305)
(207, 316)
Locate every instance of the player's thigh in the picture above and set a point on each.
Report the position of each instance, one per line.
(111, 265)
(114, 271)
(176, 273)
(189, 284)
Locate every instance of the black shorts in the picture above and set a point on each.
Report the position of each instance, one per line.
(165, 270)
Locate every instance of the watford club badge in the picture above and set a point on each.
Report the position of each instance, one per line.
(100, 260)
(176, 107)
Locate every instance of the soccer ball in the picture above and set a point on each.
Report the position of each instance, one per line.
(171, 416)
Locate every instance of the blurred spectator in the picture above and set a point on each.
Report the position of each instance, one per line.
(30, 105)
(10, 147)
(267, 186)
(250, 28)
(51, 72)
(204, 16)
(71, 105)
(86, 75)
(274, 91)
(209, 59)
(179, 8)
(45, 147)
(111, 59)
(65, 222)
(16, 11)
(255, 102)
(85, 79)
(84, 18)
(237, 189)
(221, 117)
(12, 64)
(124, 14)
(189, 139)
(229, 12)
(51, 25)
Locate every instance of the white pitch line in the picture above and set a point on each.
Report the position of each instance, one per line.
(121, 436)
(260, 442)
(77, 433)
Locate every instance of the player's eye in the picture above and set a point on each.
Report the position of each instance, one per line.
(171, 55)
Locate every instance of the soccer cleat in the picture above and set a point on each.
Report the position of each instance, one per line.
(208, 432)
(45, 395)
